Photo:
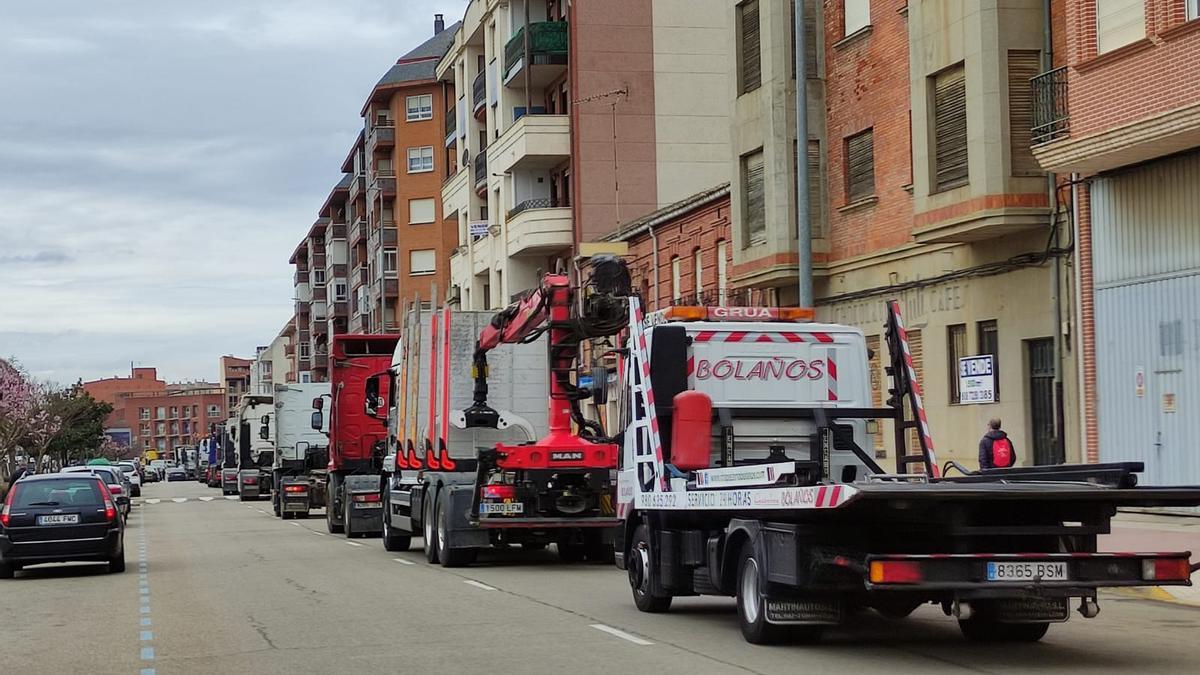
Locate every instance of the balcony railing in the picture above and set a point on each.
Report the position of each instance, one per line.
(481, 170)
(451, 126)
(547, 44)
(479, 91)
(358, 184)
(1051, 119)
(382, 136)
(533, 204)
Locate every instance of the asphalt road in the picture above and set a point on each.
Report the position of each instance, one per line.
(228, 588)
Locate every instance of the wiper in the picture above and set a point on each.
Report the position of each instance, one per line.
(43, 504)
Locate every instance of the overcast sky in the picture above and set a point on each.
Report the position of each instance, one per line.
(160, 160)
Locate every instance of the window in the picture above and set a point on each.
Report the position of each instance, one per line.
(339, 293)
(1023, 66)
(676, 268)
(722, 270)
(160, 428)
(810, 38)
(318, 277)
(860, 166)
(956, 348)
(754, 207)
(305, 351)
(422, 261)
(389, 260)
(421, 211)
(698, 267)
(174, 411)
(988, 338)
(1193, 9)
(950, 129)
(160, 413)
(857, 15)
(144, 413)
(749, 47)
(1119, 22)
(419, 108)
(306, 377)
(420, 160)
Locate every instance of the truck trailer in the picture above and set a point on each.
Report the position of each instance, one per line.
(256, 446)
(468, 476)
(299, 469)
(743, 473)
(357, 442)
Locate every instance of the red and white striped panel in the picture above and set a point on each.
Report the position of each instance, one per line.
(830, 497)
(831, 374)
(638, 333)
(782, 337)
(922, 420)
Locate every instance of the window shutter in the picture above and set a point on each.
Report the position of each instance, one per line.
(816, 197)
(1118, 23)
(755, 208)
(1023, 66)
(950, 129)
(810, 38)
(956, 348)
(751, 47)
(860, 166)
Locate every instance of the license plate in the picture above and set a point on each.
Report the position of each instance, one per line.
(507, 508)
(368, 505)
(1027, 571)
(59, 519)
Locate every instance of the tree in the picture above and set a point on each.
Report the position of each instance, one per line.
(82, 424)
(25, 422)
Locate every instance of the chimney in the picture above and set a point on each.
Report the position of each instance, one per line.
(439, 23)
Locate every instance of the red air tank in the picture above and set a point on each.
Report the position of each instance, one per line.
(691, 430)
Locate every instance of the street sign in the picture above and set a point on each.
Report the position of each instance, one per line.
(976, 379)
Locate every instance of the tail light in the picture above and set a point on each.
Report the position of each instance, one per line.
(295, 488)
(499, 491)
(250, 480)
(8, 505)
(110, 511)
(372, 497)
(447, 463)
(115, 489)
(896, 572)
(1166, 569)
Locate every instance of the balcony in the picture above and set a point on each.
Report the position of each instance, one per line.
(479, 91)
(548, 49)
(391, 287)
(336, 271)
(533, 142)
(358, 185)
(358, 230)
(1050, 119)
(320, 361)
(335, 231)
(289, 349)
(319, 293)
(340, 308)
(536, 227)
(300, 277)
(382, 137)
(451, 127)
(384, 184)
(481, 171)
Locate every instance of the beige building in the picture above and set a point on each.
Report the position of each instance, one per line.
(615, 111)
(272, 364)
(923, 189)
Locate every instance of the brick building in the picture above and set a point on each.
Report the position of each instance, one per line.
(1118, 119)
(166, 420)
(140, 380)
(235, 379)
(922, 188)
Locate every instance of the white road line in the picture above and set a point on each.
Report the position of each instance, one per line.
(153, 501)
(206, 499)
(179, 500)
(231, 497)
(352, 543)
(319, 534)
(621, 634)
(261, 511)
(477, 584)
(297, 524)
(402, 561)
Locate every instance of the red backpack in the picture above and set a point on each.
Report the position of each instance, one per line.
(1002, 453)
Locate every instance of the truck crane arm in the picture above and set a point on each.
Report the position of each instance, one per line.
(551, 307)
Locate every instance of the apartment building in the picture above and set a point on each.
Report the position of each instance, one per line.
(922, 188)
(321, 285)
(235, 379)
(571, 120)
(273, 363)
(1118, 119)
(140, 380)
(166, 420)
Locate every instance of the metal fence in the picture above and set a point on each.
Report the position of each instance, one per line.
(1051, 119)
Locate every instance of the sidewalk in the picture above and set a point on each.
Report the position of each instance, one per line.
(1147, 532)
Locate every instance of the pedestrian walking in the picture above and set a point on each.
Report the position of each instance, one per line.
(995, 448)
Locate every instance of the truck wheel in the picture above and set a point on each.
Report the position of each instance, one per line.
(278, 509)
(428, 529)
(640, 564)
(346, 522)
(751, 604)
(987, 629)
(393, 540)
(450, 557)
(330, 524)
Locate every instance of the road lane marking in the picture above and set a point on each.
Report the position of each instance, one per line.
(147, 653)
(146, 635)
(261, 511)
(319, 534)
(352, 543)
(297, 524)
(231, 497)
(147, 671)
(621, 634)
(206, 499)
(179, 500)
(153, 501)
(478, 584)
(146, 621)
(402, 561)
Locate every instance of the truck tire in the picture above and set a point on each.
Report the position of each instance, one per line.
(277, 507)
(427, 527)
(449, 557)
(751, 603)
(393, 540)
(347, 525)
(640, 564)
(330, 524)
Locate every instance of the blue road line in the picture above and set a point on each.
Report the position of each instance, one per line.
(144, 636)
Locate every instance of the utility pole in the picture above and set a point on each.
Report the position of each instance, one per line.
(803, 208)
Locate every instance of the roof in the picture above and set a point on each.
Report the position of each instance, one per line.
(342, 186)
(418, 65)
(348, 163)
(633, 228)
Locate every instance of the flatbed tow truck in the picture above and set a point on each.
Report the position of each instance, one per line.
(743, 474)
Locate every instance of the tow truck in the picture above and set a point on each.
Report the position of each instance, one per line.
(476, 476)
(743, 473)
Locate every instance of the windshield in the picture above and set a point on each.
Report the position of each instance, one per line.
(82, 491)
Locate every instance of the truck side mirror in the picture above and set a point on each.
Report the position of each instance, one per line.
(318, 420)
(264, 432)
(318, 403)
(600, 385)
(265, 420)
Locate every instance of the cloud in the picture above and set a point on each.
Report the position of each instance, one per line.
(38, 258)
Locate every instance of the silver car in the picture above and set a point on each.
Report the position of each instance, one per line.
(118, 483)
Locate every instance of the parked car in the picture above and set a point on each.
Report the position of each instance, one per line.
(176, 473)
(113, 480)
(60, 517)
(135, 477)
(160, 467)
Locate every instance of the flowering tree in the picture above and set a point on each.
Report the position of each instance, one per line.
(26, 422)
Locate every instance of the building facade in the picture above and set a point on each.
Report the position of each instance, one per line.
(571, 120)
(140, 380)
(1118, 119)
(167, 420)
(273, 364)
(922, 188)
(235, 379)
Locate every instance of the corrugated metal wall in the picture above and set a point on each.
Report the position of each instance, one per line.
(1146, 238)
